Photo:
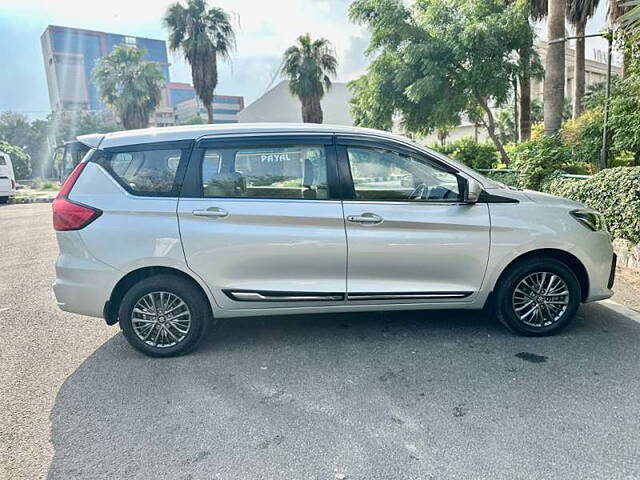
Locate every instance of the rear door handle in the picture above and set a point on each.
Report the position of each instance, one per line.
(214, 212)
(366, 218)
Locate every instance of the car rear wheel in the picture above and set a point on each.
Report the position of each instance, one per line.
(538, 297)
(164, 315)
(4, 199)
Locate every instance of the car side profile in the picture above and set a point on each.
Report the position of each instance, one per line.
(7, 178)
(162, 230)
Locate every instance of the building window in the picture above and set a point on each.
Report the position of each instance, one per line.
(130, 41)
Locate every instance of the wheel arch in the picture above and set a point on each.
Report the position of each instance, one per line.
(112, 306)
(570, 260)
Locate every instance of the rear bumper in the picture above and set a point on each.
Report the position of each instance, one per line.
(83, 284)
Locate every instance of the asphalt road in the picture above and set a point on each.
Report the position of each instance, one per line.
(394, 396)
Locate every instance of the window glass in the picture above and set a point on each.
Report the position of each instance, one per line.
(3, 162)
(385, 175)
(269, 172)
(147, 172)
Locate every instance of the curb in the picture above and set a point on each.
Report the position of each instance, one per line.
(30, 200)
(622, 310)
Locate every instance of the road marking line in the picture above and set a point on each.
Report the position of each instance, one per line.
(622, 310)
(4, 309)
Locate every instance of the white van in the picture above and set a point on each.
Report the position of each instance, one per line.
(7, 178)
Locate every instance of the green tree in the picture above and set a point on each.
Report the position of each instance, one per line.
(203, 35)
(624, 117)
(554, 68)
(131, 87)
(437, 60)
(309, 66)
(19, 158)
(578, 12)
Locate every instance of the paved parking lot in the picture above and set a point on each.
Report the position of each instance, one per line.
(362, 396)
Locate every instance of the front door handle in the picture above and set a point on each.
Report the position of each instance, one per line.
(366, 218)
(214, 212)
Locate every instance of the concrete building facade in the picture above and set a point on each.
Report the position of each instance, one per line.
(225, 109)
(279, 105)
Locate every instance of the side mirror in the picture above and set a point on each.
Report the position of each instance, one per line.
(473, 191)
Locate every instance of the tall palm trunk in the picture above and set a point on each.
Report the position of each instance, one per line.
(311, 109)
(554, 68)
(525, 94)
(579, 72)
(209, 107)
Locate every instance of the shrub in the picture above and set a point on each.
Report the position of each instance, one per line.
(614, 192)
(468, 151)
(537, 159)
(19, 158)
(583, 137)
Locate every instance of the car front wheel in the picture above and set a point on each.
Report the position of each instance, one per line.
(538, 297)
(164, 316)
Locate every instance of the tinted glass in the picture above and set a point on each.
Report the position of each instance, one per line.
(3, 162)
(273, 172)
(147, 172)
(386, 175)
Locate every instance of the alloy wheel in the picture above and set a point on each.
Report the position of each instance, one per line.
(540, 299)
(161, 319)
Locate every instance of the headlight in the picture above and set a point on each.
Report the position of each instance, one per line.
(592, 220)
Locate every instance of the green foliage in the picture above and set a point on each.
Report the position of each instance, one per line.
(129, 85)
(614, 192)
(437, 60)
(19, 158)
(625, 114)
(203, 34)
(583, 136)
(309, 66)
(537, 159)
(195, 120)
(471, 153)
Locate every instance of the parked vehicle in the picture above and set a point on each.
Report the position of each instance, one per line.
(162, 230)
(7, 178)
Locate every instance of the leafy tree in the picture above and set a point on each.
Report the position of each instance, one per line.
(554, 68)
(131, 87)
(195, 120)
(578, 12)
(624, 117)
(31, 137)
(308, 65)
(437, 60)
(19, 158)
(203, 34)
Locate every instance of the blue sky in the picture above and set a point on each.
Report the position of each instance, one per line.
(265, 30)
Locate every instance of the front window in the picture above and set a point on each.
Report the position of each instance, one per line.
(380, 174)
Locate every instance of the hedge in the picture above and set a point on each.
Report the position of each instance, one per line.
(614, 192)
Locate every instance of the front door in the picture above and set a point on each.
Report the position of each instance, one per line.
(261, 225)
(411, 238)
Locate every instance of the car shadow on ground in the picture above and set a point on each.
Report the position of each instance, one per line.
(393, 395)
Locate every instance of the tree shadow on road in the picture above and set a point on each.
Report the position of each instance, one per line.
(394, 395)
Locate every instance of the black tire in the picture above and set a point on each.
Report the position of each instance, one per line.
(4, 199)
(503, 298)
(196, 302)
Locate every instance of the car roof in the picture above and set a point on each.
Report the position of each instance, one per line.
(196, 132)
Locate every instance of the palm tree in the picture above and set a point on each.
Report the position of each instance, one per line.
(554, 68)
(203, 34)
(578, 12)
(308, 66)
(537, 11)
(131, 87)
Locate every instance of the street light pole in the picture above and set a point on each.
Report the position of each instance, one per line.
(604, 153)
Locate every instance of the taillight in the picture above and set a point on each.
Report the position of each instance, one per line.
(69, 215)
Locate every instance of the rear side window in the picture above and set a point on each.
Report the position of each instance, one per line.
(146, 172)
(3, 162)
(298, 172)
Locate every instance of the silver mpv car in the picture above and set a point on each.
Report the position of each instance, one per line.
(162, 230)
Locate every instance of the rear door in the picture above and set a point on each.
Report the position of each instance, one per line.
(261, 223)
(411, 238)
